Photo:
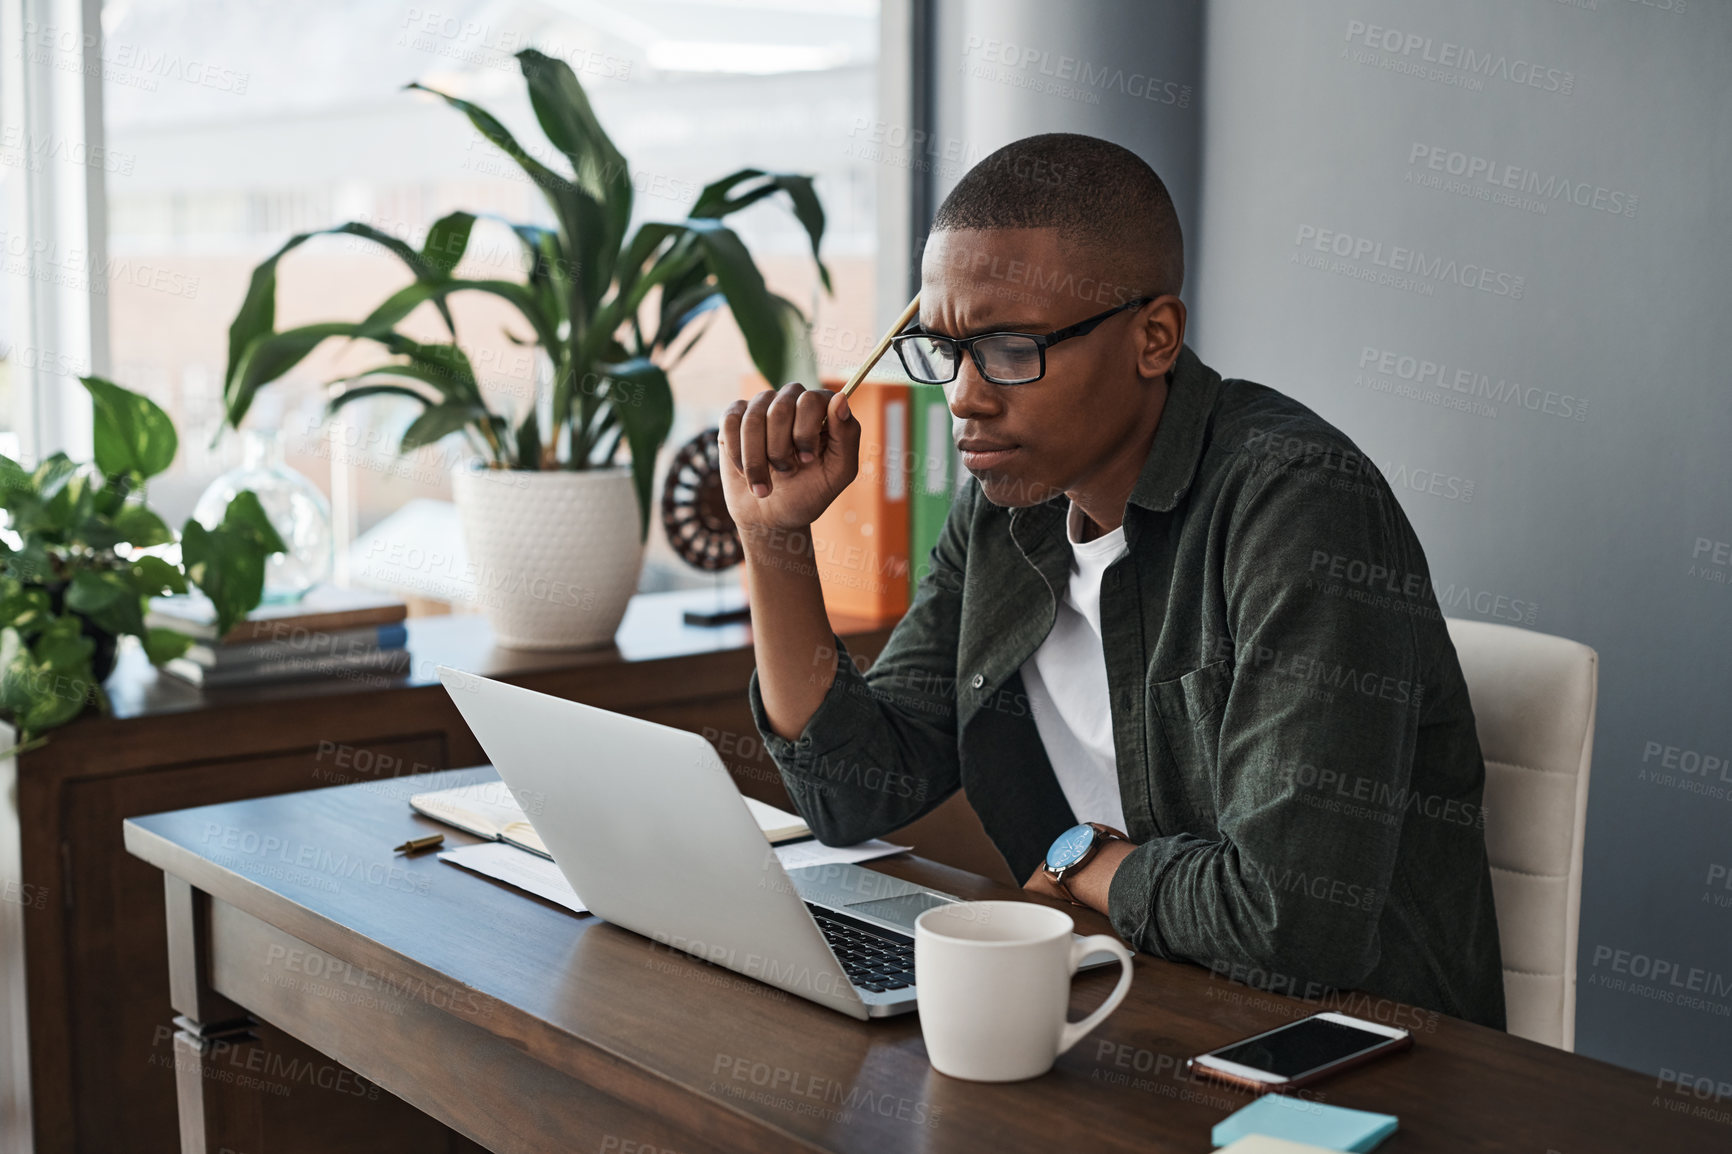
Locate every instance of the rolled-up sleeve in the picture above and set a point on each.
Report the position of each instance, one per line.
(881, 748)
(1320, 678)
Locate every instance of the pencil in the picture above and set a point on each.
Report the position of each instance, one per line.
(882, 347)
(878, 351)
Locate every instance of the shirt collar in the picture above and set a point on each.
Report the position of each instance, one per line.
(1171, 465)
(1178, 446)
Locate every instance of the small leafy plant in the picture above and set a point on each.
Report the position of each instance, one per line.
(607, 305)
(74, 574)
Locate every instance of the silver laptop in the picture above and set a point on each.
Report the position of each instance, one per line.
(648, 827)
(650, 830)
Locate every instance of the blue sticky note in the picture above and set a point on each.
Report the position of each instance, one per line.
(1301, 1120)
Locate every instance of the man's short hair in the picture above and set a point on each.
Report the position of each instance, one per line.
(1097, 194)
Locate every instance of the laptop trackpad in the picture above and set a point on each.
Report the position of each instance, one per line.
(900, 910)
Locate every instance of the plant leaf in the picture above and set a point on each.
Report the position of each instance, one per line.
(162, 645)
(31, 563)
(563, 196)
(564, 113)
(440, 421)
(72, 504)
(362, 392)
(646, 411)
(257, 317)
(802, 358)
(228, 562)
(395, 308)
(741, 282)
(96, 532)
(131, 432)
(17, 488)
(154, 576)
(519, 296)
(258, 311)
(447, 241)
(529, 440)
(715, 201)
(445, 367)
(269, 356)
(679, 311)
(109, 599)
(141, 528)
(48, 682)
(51, 474)
(27, 609)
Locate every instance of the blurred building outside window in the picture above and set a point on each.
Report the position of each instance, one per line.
(228, 127)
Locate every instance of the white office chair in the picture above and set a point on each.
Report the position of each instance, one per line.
(1533, 701)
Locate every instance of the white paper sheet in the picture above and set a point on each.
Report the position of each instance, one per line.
(811, 853)
(520, 868)
(537, 875)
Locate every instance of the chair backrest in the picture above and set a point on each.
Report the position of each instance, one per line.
(1533, 703)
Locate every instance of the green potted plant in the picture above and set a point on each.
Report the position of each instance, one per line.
(76, 574)
(555, 529)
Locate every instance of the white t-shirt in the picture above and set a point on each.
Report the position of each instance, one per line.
(1066, 679)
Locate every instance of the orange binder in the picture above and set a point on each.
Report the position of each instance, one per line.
(860, 542)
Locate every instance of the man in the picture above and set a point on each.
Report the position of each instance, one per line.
(1178, 645)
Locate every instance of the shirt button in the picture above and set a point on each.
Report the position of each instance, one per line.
(979, 680)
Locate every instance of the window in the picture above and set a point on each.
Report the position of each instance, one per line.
(229, 127)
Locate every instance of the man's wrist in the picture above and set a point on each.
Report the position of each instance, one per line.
(789, 550)
(1092, 882)
(769, 540)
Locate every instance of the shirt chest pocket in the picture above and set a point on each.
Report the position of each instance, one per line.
(1185, 719)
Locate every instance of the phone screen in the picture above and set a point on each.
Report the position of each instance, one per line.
(1305, 1045)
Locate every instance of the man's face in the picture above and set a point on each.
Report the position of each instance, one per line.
(1066, 424)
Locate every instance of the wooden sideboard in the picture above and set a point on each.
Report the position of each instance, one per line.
(83, 951)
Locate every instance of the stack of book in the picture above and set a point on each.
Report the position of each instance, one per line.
(331, 632)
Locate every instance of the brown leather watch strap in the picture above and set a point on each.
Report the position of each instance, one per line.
(1106, 833)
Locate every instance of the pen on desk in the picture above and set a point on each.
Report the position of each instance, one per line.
(417, 844)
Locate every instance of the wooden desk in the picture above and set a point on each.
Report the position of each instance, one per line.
(525, 1028)
(82, 951)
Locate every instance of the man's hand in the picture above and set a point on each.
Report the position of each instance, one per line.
(800, 446)
(1091, 883)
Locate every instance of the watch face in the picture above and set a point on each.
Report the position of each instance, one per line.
(1070, 847)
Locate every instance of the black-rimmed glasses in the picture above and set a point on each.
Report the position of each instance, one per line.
(1002, 358)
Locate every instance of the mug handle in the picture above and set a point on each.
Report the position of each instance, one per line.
(1074, 1032)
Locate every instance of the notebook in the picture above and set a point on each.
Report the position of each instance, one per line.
(499, 861)
(1302, 1120)
(301, 643)
(1263, 1144)
(290, 667)
(489, 810)
(324, 608)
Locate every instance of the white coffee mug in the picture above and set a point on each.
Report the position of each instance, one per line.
(994, 984)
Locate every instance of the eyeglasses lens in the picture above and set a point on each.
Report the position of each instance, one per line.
(929, 361)
(1009, 359)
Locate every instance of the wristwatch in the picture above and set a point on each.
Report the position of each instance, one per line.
(1075, 848)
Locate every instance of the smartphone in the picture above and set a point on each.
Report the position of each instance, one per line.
(1300, 1053)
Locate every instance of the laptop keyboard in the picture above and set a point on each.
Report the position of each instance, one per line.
(874, 959)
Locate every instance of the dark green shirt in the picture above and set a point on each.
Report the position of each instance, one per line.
(1297, 758)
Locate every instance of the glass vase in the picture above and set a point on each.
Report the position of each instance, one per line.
(297, 510)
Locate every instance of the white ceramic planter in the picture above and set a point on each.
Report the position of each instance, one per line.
(556, 554)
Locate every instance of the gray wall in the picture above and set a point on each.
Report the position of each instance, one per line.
(1557, 426)
(1128, 72)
